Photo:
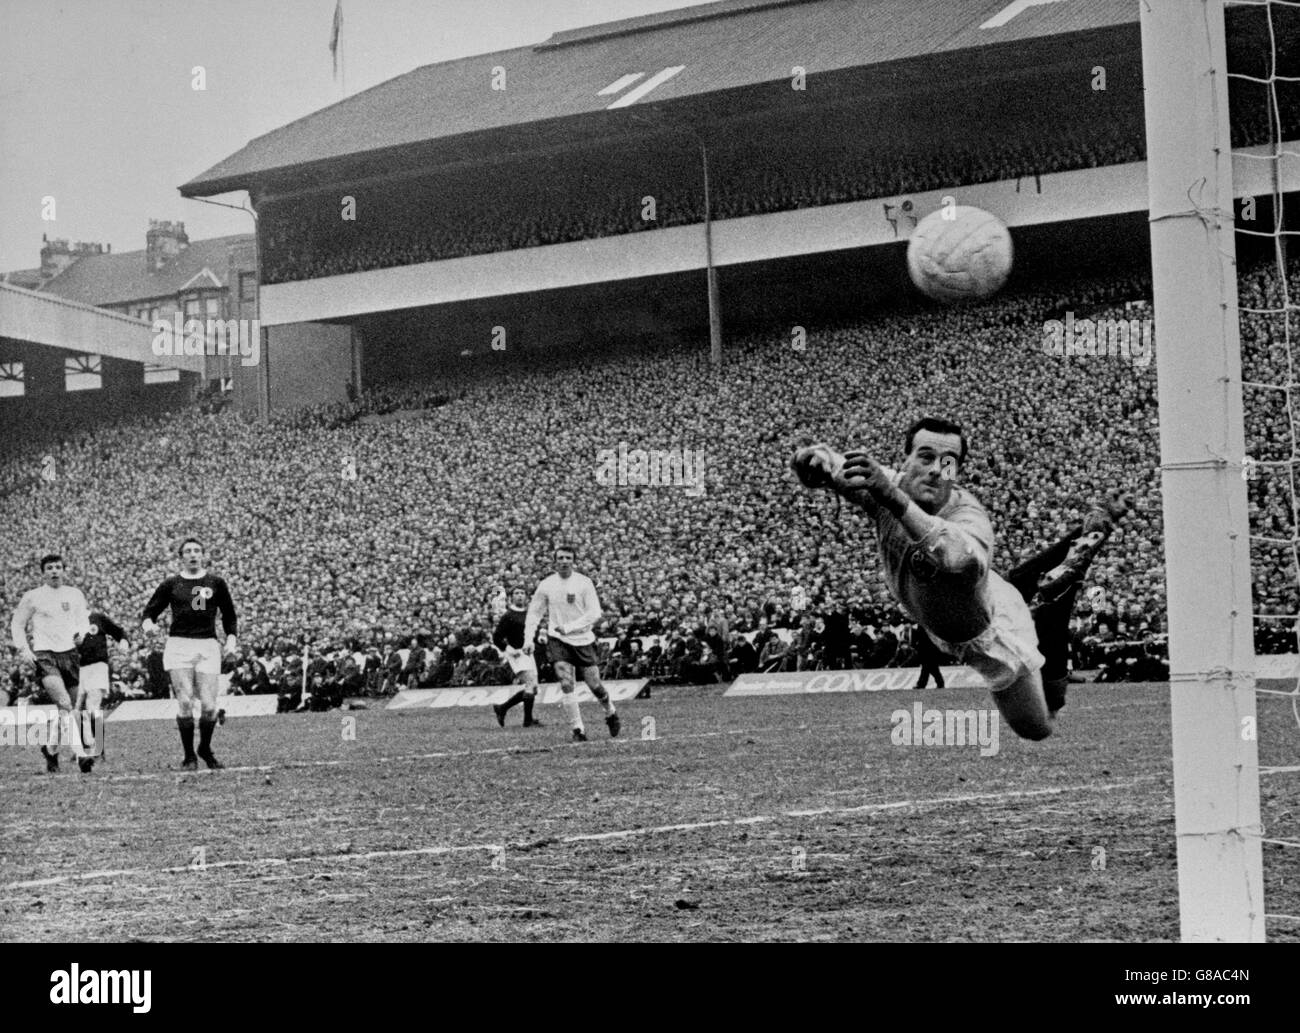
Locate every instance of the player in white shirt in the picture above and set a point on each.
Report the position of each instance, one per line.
(568, 601)
(57, 617)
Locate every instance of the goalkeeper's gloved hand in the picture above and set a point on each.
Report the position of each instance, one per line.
(817, 466)
(861, 472)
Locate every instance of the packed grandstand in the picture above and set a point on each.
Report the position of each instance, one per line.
(596, 192)
(397, 520)
(463, 483)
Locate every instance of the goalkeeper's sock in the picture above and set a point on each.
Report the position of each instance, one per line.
(206, 726)
(186, 727)
(1054, 693)
(529, 698)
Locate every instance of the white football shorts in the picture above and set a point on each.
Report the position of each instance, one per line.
(192, 654)
(521, 662)
(1008, 647)
(93, 685)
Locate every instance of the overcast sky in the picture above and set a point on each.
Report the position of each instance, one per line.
(97, 109)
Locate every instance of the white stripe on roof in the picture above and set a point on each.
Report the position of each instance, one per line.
(656, 80)
(620, 84)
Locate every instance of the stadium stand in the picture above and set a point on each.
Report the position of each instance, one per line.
(498, 460)
(599, 192)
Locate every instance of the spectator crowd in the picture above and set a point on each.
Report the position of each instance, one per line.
(848, 152)
(355, 538)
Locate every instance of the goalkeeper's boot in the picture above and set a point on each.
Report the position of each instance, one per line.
(210, 760)
(1109, 512)
(1097, 528)
(190, 763)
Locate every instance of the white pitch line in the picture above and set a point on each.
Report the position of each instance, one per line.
(256, 862)
(591, 837)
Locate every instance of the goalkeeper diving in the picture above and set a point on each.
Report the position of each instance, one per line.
(936, 544)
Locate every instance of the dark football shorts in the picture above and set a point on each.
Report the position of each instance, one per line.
(66, 665)
(578, 656)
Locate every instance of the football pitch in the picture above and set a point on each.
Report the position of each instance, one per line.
(770, 818)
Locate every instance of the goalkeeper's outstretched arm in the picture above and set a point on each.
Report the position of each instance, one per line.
(957, 548)
(818, 466)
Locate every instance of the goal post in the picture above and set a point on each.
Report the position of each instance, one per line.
(1202, 449)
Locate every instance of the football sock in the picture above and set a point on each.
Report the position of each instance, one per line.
(70, 733)
(529, 697)
(186, 726)
(206, 725)
(571, 711)
(92, 732)
(1054, 692)
(516, 698)
(600, 693)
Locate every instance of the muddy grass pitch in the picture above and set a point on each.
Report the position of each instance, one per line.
(779, 818)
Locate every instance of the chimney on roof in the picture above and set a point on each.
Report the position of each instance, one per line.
(164, 241)
(57, 255)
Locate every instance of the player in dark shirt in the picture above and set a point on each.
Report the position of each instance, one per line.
(94, 646)
(95, 674)
(192, 656)
(509, 638)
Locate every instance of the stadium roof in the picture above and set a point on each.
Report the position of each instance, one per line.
(112, 279)
(33, 317)
(691, 52)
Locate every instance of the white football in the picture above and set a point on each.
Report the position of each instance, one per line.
(959, 253)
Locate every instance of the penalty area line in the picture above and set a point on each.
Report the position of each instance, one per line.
(255, 862)
(590, 837)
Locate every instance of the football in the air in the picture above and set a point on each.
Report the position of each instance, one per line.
(959, 253)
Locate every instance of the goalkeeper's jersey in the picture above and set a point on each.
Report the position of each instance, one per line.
(942, 581)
